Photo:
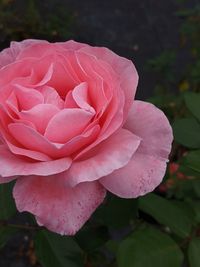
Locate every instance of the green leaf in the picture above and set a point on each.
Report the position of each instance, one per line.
(112, 246)
(5, 234)
(149, 247)
(192, 160)
(193, 252)
(166, 213)
(192, 101)
(117, 212)
(7, 205)
(186, 132)
(195, 207)
(55, 250)
(196, 186)
(90, 238)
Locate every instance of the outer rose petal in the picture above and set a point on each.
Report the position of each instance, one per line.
(151, 124)
(147, 167)
(112, 154)
(10, 54)
(12, 165)
(71, 45)
(60, 208)
(140, 176)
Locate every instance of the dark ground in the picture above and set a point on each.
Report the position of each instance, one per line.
(138, 30)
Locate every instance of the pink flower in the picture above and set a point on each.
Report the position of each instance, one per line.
(71, 129)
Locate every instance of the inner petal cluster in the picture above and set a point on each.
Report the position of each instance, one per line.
(58, 105)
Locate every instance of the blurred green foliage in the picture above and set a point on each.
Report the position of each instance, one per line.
(23, 19)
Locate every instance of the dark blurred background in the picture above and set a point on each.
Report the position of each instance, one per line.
(161, 38)
(138, 30)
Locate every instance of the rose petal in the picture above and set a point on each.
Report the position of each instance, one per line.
(140, 176)
(86, 66)
(78, 142)
(80, 95)
(147, 167)
(10, 54)
(29, 138)
(71, 45)
(123, 67)
(27, 152)
(11, 165)
(69, 101)
(14, 146)
(27, 98)
(51, 97)
(151, 124)
(15, 69)
(61, 79)
(39, 115)
(59, 208)
(111, 123)
(35, 50)
(112, 154)
(73, 122)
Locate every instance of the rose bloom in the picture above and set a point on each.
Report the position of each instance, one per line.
(71, 130)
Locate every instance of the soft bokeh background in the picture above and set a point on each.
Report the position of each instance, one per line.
(162, 38)
(138, 30)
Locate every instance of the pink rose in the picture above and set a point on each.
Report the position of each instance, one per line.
(71, 129)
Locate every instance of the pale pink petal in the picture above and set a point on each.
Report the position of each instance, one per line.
(147, 167)
(10, 54)
(15, 147)
(11, 165)
(39, 115)
(27, 152)
(51, 97)
(61, 79)
(27, 98)
(110, 155)
(123, 67)
(69, 101)
(35, 50)
(36, 79)
(5, 120)
(111, 120)
(78, 142)
(91, 71)
(70, 122)
(80, 95)
(12, 103)
(140, 176)
(47, 76)
(29, 138)
(15, 69)
(59, 208)
(151, 124)
(71, 45)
